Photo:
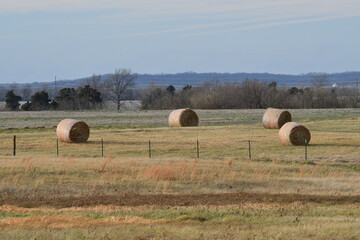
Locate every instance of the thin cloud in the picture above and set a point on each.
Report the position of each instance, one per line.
(269, 25)
(193, 17)
(182, 7)
(250, 24)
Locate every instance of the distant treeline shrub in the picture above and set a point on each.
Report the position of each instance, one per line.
(82, 98)
(214, 94)
(116, 88)
(248, 94)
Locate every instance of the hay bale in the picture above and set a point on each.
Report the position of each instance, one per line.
(275, 118)
(71, 130)
(293, 133)
(183, 118)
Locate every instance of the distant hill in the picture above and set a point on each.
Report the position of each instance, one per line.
(192, 78)
(181, 79)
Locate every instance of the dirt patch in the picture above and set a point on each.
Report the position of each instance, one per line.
(109, 209)
(64, 221)
(173, 200)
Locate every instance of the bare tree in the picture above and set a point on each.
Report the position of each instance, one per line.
(118, 85)
(321, 92)
(253, 93)
(319, 81)
(94, 81)
(26, 92)
(2, 93)
(14, 88)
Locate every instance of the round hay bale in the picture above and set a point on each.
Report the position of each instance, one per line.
(71, 130)
(275, 118)
(183, 118)
(293, 133)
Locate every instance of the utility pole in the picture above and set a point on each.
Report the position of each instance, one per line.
(55, 88)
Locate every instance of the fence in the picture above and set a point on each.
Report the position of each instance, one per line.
(192, 148)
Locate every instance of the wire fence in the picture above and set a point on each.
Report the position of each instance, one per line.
(18, 145)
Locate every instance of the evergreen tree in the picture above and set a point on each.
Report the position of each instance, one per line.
(88, 98)
(26, 106)
(67, 99)
(170, 89)
(12, 101)
(40, 101)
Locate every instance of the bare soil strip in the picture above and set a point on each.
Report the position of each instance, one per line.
(63, 221)
(174, 200)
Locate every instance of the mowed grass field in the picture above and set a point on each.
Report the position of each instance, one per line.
(222, 194)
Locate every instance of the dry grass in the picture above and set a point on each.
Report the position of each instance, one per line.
(223, 167)
(71, 176)
(66, 221)
(246, 221)
(332, 141)
(48, 119)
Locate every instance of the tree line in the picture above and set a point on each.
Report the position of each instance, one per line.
(89, 96)
(213, 94)
(250, 93)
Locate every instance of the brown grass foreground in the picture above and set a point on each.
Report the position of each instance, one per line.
(81, 177)
(84, 198)
(296, 220)
(221, 195)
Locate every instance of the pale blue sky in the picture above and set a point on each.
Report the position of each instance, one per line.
(76, 38)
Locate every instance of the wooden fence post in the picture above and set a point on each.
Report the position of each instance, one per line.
(306, 154)
(14, 148)
(149, 148)
(57, 147)
(102, 147)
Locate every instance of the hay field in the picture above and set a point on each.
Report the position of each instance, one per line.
(176, 195)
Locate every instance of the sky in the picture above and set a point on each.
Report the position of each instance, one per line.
(71, 39)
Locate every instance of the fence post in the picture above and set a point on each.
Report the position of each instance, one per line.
(197, 148)
(102, 147)
(249, 142)
(149, 148)
(14, 149)
(57, 147)
(306, 157)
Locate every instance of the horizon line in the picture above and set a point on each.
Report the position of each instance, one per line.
(187, 72)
